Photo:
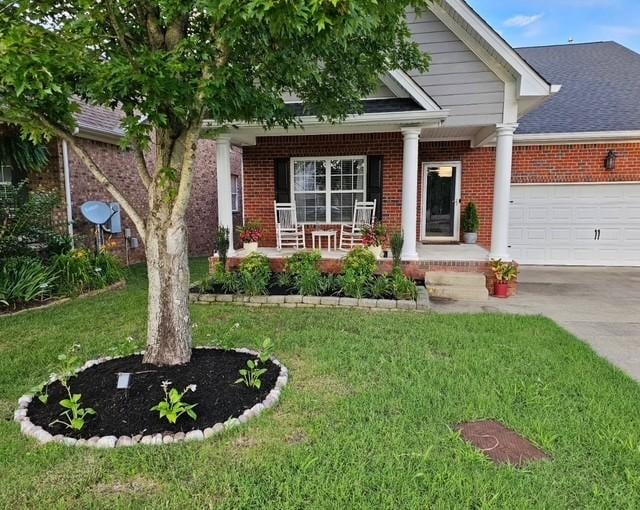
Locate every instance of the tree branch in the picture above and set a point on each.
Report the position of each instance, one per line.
(97, 173)
(118, 29)
(141, 165)
(186, 171)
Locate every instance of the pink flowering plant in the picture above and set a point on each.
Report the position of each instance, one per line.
(250, 232)
(375, 235)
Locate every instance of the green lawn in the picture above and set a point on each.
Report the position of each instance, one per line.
(364, 423)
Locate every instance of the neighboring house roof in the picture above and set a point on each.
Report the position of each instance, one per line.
(600, 89)
(99, 123)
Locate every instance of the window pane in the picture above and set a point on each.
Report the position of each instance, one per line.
(309, 176)
(5, 174)
(342, 205)
(347, 174)
(311, 207)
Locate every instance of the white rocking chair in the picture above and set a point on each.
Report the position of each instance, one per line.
(351, 234)
(289, 234)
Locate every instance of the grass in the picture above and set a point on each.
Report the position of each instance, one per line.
(365, 422)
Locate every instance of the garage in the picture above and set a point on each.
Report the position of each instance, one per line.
(576, 224)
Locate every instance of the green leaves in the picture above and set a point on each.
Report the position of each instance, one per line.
(75, 415)
(172, 407)
(166, 62)
(251, 376)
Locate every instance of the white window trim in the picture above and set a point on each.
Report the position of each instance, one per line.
(327, 190)
(2, 178)
(235, 205)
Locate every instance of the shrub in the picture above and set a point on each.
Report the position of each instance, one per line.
(255, 274)
(23, 280)
(75, 271)
(108, 269)
(304, 270)
(222, 242)
(361, 261)
(402, 287)
(329, 285)
(470, 219)
(397, 242)
(359, 268)
(26, 226)
(379, 288)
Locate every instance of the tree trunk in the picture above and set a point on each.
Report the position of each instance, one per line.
(169, 323)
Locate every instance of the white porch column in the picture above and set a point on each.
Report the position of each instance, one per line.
(223, 173)
(410, 191)
(502, 192)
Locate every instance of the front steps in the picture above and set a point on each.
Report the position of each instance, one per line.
(458, 286)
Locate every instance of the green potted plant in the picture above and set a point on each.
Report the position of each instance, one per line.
(250, 234)
(470, 224)
(373, 237)
(504, 272)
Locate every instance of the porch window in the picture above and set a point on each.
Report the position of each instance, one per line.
(325, 189)
(5, 174)
(235, 193)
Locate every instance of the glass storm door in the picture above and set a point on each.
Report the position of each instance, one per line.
(441, 202)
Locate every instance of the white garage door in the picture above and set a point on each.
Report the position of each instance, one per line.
(581, 224)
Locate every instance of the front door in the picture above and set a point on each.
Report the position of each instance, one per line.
(441, 201)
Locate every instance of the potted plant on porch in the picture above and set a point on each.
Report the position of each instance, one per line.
(373, 237)
(250, 234)
(504, 272)
(470, 224)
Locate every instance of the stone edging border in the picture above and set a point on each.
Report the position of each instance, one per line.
(29, 429)
(114, 286)
(297, 301)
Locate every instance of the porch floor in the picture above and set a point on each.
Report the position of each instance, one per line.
(426, 252)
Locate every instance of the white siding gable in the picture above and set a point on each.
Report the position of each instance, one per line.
(457, 79)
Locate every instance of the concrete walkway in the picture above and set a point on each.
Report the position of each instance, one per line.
(598, 305)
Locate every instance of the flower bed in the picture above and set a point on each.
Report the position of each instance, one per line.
(124, 417)
(302, 277)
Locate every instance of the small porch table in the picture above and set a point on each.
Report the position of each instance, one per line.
(319, 234)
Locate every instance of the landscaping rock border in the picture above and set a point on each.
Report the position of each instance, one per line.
(114, 286)
(29, 429)
(297, 301)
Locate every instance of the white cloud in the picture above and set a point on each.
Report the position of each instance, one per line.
(522, 21)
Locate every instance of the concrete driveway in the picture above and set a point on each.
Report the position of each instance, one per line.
(598, 305)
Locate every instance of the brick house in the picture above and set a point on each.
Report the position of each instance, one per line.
(100, 133)
(545, 141)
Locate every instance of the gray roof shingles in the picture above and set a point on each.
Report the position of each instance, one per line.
(600, 88)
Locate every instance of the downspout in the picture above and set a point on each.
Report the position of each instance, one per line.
(67, 189)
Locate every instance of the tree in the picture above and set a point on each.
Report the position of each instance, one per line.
(170, 64)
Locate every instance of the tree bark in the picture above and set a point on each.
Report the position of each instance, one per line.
(169, 325)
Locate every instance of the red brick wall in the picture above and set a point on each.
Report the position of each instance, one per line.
(259, 177)
(575, 163)
(477, 172)
(202, 215)
(531, 164)
(478, 168)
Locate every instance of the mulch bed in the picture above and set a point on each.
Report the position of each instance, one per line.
(275, 289)
(127, 412)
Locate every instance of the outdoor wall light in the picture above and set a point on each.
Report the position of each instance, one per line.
(610, 161)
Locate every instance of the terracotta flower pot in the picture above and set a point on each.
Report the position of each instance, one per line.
(501, 289)
(250, 247)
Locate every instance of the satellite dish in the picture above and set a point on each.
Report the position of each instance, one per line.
(96, 212)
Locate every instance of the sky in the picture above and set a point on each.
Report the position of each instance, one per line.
(543, 22)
